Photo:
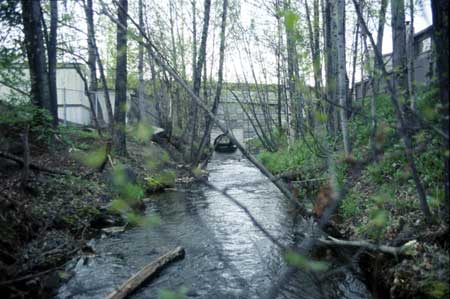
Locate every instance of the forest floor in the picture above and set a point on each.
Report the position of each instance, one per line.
(50, 218)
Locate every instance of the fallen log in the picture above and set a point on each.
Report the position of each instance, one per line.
(408, 249)
(31, 165)
(146, 273)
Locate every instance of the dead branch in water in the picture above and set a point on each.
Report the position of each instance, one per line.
(146, 273)
(406, 249)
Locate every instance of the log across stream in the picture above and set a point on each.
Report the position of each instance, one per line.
(226, 256)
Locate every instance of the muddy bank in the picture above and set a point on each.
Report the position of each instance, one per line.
(48, 220)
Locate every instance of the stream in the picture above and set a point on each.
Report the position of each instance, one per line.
(226, 255)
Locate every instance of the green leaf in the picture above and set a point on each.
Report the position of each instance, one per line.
(118, 205)
(380, 218)
(290, 19)
(167, 294)
(302, 262)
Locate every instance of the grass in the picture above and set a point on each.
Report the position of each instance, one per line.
(390, 174)
(161, 180)
(297, 157)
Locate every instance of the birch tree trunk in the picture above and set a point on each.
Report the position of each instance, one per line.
(342, 82)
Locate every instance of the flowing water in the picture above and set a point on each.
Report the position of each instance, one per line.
(226, 255)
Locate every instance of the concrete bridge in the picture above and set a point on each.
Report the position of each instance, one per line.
(233, 116)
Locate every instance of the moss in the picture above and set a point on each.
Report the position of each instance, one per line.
(349, 207)
(160, 181)
(436, 289)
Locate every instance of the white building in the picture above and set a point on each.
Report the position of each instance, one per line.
(73, 103)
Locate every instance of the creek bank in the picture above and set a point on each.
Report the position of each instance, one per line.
(48, 221)
(423, 274)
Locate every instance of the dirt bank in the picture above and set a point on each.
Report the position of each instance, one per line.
(48, 219)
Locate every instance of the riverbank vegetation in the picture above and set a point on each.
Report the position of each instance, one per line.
(104, 102)
(380, 203)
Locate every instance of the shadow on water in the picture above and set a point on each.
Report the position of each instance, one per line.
(226, 256)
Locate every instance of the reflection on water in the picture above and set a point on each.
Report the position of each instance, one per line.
(226, 256)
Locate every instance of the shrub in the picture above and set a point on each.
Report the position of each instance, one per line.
(15, 115)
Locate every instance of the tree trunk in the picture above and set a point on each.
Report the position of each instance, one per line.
(91, 47)
(193, 109)
(292, 61)
(440, 35)
(209, 121)
(355, 58)
(410, 56)
(330, 64)
(91, 98)
(141, 86)
(119, 138)
(399, 50)
(314, 46)
(93, 85)
(34, 44)
(342, 89)
(94, 57)
(175, 100)
(317, 62)
(279, 71)
(51, 54)
(376, 73)
(198, 72)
